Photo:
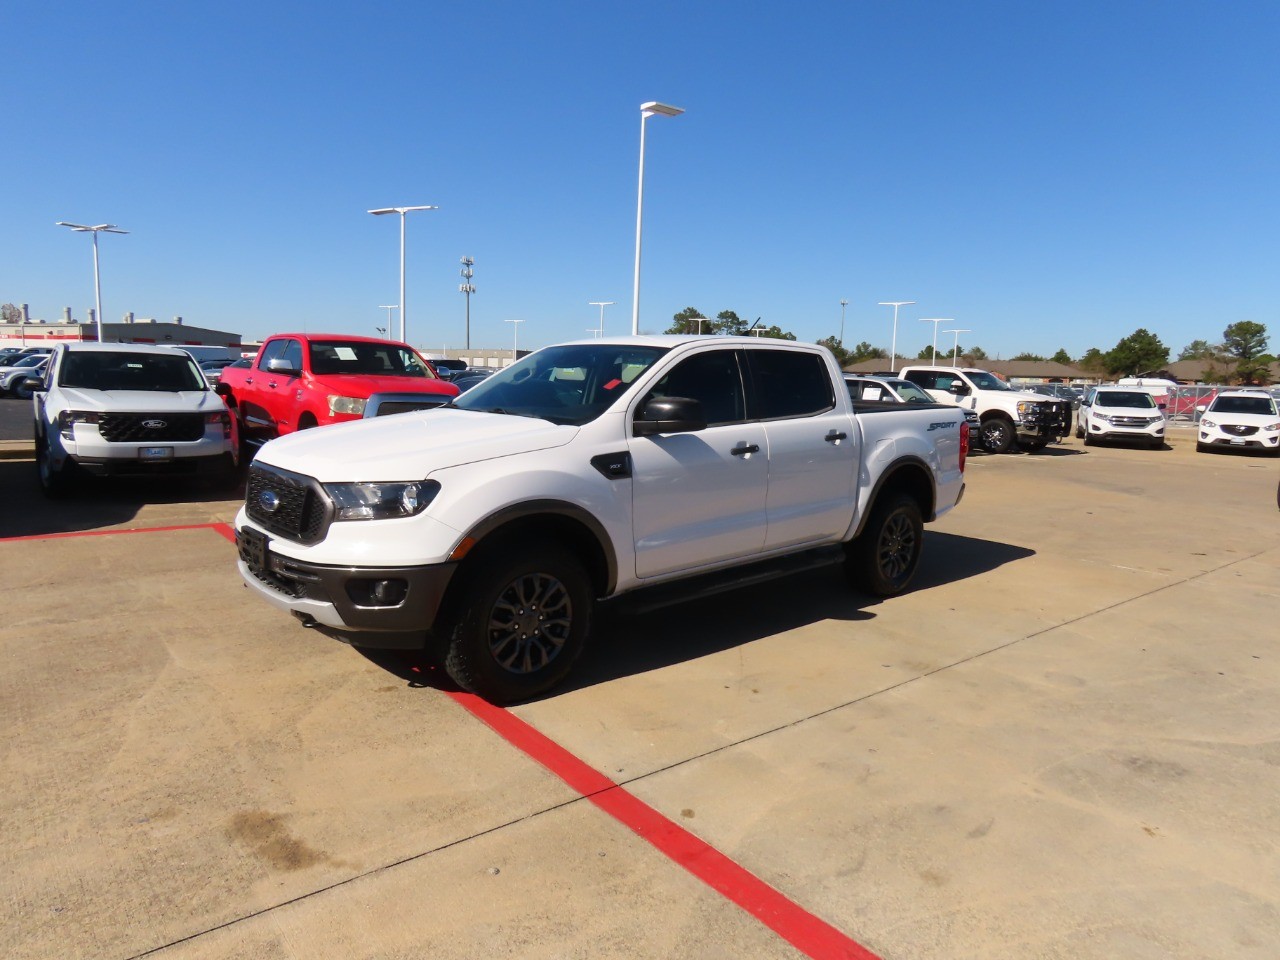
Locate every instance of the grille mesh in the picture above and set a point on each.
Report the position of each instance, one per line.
(302, 514)
(164, 428)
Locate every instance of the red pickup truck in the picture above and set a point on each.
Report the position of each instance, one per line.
(302, 380)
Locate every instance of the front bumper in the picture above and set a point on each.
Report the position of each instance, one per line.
(211, 465)
(388, 607)
(1149, 433)
(1259, 440)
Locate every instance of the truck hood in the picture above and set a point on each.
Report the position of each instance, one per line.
(143, 401)
(410, 446)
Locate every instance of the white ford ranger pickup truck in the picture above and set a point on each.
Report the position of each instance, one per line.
(487, 530)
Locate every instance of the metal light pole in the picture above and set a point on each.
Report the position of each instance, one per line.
(387, 307)
(383, 211)
(843, 303)
(466, 287)
(515, 342)
(647, 110)
(601, 304)
(955, 349)
(893, 350)
(935, 323)
(97, 285)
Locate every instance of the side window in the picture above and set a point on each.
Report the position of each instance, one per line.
(293, 354)
(272, 351)
(713, 379)
(788, 383)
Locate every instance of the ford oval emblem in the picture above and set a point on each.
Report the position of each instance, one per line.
(154, 424)
(270, 501)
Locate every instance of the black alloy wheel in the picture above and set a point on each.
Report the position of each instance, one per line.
(518, 623)
(883, 559)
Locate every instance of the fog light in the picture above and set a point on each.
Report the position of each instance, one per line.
(378, 593)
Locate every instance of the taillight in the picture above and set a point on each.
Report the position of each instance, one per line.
(964, 443)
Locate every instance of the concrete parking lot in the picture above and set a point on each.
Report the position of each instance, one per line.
(1063, 743)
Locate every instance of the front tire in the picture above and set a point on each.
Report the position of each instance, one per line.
(884, 557)
(998, 435)
(55, 483)
(518, 622)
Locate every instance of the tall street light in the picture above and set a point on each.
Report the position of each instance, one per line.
(97, 285)
(515, 342)
(601, 304)
(935, 323)
(893, 350)
(382, 211)
(647, 110)
(843, 303)
(955, 349)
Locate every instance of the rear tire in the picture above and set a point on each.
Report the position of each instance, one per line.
(884, 557)
(518, 621)
(998, 435)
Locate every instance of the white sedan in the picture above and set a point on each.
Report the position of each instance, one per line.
(1240, 419)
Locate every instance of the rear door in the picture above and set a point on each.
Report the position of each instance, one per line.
(812, 443)
(699, 498)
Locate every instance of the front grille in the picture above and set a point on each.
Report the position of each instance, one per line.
(1131, 421)
(302, 512)
(1239, 429)
(407, 406)
(151, 427)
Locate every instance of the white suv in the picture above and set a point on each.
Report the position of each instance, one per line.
(1245, 419)
(1120, 413)
(129, 409)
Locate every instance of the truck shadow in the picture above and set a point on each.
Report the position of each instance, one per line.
(96, 505)
(628, 642)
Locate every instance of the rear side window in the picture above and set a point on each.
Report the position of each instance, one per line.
(930, 379)
(788, 383)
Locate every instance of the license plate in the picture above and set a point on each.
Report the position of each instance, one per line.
(155, 453)
(1237, 441)
(252, 547)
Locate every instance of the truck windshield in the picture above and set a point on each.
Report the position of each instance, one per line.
(571, 384)
(117, 370)
(986, 381)
(367, 359)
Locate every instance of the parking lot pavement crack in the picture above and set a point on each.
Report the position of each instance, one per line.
(347, 881)
(792, 724)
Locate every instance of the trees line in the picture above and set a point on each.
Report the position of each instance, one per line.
(1241, 355)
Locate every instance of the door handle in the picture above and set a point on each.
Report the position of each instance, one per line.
(743, 449)
(272, 384)
(248, 380)
(834, 437)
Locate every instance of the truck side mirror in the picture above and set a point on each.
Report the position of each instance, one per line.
(34, 384)
(670, 415)
(282, 366)
(959, 389)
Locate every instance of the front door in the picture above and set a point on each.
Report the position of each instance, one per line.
(699, 498)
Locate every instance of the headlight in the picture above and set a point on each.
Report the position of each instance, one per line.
(339, 404)
(1207, 423)
(1026, 408)
(1102, 416)
(1272, 427)
(67, 420)
(381, 501)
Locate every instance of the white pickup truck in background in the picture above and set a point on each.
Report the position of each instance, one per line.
(1009, 417)
(487, 530)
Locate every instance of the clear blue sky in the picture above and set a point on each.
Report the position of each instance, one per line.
(1048, 174)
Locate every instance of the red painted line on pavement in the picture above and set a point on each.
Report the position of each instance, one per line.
(222, 528)
(814, 937)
